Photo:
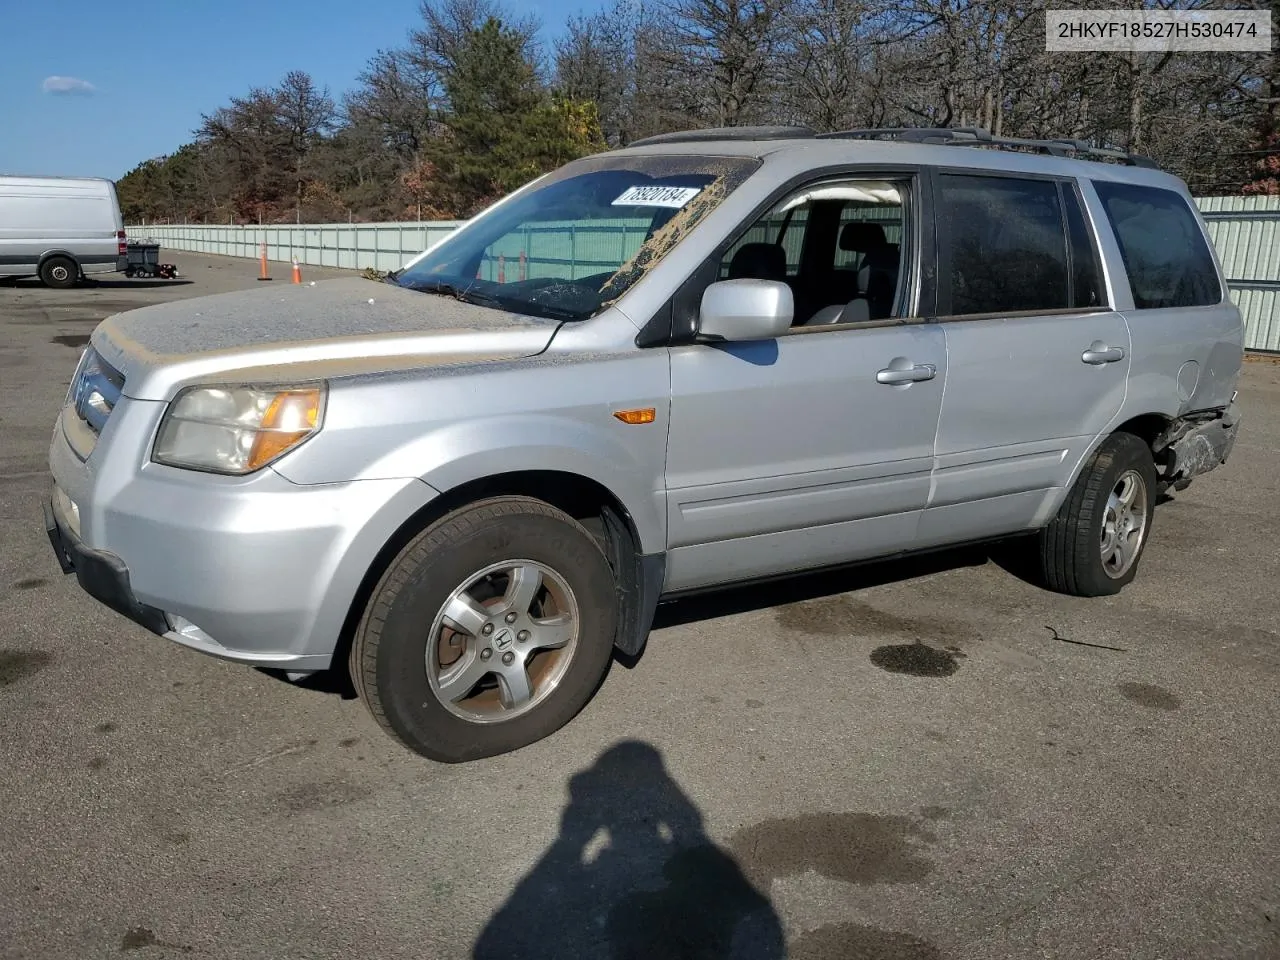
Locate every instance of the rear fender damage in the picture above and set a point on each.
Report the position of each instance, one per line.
(1197, 443)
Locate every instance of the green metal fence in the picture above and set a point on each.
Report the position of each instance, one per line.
(1246, 234)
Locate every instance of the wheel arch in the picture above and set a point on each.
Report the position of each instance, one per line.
(1148, 427)
(599, 509)
(48, 254)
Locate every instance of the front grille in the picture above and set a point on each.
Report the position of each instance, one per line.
(95, 391)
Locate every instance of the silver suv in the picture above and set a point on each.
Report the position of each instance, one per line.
(708, 358)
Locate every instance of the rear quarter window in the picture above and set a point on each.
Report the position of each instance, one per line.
(1165, 255)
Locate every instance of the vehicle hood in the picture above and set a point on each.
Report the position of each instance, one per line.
(329, 329)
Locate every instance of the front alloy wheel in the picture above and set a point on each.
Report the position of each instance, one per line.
(488, 631)
(502, 641)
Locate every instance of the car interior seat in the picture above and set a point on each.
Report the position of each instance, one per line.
(876, 277)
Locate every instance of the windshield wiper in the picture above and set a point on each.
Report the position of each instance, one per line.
(465, 294)
(468, 295)
(554, 313)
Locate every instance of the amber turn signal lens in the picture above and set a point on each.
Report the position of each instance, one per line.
(289, 420)
(646, 415)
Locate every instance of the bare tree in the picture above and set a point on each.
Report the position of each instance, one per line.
(722, 56)
(649, 66)
(827, 69)
(596, 61)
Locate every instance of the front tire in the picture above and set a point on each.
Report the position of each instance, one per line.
(59, 273)
(1093, 546)
(489, 631)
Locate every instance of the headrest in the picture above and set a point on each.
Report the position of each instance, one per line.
(761, 261)
(861, 236)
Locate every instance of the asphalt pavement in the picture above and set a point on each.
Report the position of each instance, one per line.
(916, 761)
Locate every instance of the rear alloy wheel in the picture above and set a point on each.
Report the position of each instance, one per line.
(1093, 546)
(1124, 524)
(59, 272)
(489, 631)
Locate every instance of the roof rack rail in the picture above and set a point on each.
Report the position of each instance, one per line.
(980, 137)
(728, 133)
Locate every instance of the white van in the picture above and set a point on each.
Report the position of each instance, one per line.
(60, 228)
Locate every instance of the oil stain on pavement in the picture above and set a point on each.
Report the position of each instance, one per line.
(312, 797)
(17, 665)
(859, 848)
(71, 339)
(1149, 695)
(845, 941)
(139, 938)
(915, 659)
(843, 616)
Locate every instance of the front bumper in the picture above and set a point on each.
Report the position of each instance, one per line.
(105, 577)
(100, 574)
(276, 598)
(257, 569)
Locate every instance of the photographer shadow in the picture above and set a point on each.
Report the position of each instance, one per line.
(633, 875)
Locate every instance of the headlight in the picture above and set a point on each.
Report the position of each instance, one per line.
(237, 429)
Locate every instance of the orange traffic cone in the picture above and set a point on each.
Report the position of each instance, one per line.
(264, 275)
(297, 273)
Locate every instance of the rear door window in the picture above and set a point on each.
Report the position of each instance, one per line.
(1003, 245)
(1165, 255)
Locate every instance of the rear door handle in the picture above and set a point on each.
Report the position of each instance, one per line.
(1099, 353)
(912, 374)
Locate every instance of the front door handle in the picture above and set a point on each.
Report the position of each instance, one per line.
(906, 374)
(1099, 353)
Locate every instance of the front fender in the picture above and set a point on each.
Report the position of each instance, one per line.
(389, 505)
(453, 455)
(554, 413)
(627, 460)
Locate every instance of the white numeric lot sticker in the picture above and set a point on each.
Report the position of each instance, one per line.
(657, 197)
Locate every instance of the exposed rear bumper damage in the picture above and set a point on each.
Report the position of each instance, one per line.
(1195, 444)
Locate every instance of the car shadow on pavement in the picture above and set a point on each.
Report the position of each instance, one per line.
(336, 680)
(34, 283)
(827, 583)
(742, 599)
(632, 875)
(132, 284)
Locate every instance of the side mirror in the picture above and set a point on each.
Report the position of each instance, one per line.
(745, 310)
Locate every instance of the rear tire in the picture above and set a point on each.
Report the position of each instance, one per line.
(531, 659)
(1092, 548)
(59, 273)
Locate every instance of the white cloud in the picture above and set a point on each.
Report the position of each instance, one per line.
(67, 86)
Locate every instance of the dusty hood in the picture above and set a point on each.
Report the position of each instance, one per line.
(334, 328)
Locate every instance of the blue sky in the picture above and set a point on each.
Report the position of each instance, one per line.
(153, 74)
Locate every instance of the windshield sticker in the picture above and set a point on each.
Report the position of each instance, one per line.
(675, 197)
